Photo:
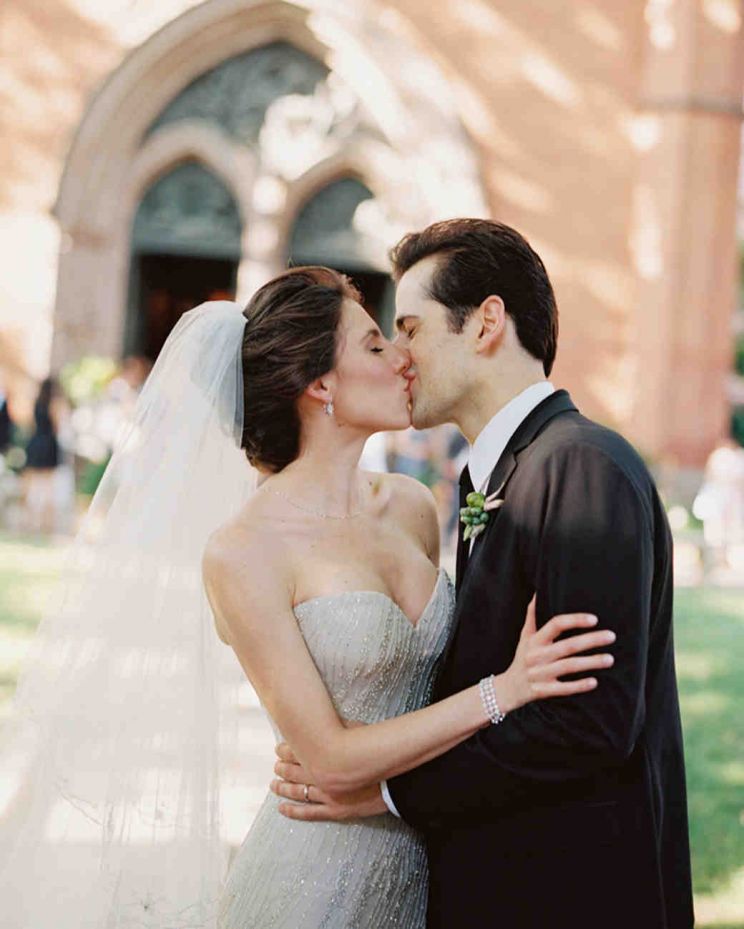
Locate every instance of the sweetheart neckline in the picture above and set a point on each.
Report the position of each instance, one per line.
(441, 572)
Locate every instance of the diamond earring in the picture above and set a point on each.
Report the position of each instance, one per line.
(329, 408)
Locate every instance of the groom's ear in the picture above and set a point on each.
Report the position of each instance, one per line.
(491, 322)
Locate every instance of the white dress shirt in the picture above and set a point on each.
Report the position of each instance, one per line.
(484, 453)
(494, 437)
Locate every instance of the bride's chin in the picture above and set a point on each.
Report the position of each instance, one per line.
(401, 419)
(396, 425)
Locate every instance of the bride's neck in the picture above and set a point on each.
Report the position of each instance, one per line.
(327, 474)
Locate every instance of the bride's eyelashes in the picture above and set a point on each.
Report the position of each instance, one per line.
(377, 351)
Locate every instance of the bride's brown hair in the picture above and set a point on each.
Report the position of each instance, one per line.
(289, 341)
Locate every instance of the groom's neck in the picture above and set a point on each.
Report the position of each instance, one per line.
(491, 395)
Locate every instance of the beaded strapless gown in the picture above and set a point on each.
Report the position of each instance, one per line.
(362, 874)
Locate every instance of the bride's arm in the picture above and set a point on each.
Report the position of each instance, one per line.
(251, 598)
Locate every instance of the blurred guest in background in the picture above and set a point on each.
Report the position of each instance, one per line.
(43, 457)
(412, 453)
(720, 501)
(103, 417)
(9, 483)
(120, 396)
(6, 421)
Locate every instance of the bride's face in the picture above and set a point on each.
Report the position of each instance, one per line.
(371, 384)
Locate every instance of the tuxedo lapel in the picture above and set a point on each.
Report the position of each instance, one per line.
(527, 431)
(557, 403)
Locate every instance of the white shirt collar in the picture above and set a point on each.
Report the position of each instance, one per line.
(494, 437)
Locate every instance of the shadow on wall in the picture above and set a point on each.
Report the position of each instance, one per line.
(46, 87)
(563, 169)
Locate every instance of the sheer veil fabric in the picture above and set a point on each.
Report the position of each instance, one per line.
(123, 734)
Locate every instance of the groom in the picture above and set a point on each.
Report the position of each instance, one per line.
(571, 812)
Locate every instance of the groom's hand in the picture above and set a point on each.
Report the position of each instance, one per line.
(319, 806)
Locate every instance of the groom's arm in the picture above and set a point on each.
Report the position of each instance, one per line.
(588, 543)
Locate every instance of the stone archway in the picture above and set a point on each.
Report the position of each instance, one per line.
(409, 148)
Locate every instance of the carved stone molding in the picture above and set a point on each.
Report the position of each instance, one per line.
(188, 211)
(236, 94)
(189, 140)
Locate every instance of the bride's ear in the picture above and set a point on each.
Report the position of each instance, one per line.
(321, 389)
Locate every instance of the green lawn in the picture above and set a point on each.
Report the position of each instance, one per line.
(710, 665)
(28, 569)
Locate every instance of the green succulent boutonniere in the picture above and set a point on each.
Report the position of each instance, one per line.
(476, 514)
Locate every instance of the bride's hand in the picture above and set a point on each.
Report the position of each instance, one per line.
(316, 805)
(540, 661)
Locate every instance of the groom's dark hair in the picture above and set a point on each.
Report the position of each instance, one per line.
(478, 258)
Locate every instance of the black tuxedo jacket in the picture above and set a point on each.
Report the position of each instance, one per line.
(573, 811)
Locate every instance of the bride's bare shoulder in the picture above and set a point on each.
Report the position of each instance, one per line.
(404, 492)
(245, 550)
(245, 573)
(412, 504)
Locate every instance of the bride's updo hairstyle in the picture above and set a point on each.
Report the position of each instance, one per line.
(289, 341)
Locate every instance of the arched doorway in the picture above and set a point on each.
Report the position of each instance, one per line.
(331, 229)
(275, 106)
(185, 250)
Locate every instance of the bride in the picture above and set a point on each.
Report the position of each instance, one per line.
(323, 581)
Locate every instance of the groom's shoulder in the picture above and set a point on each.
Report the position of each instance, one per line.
(573, 438)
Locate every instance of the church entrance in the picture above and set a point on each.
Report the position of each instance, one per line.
(185, 250)
(171, 284)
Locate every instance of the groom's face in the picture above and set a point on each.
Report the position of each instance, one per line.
(438, 355)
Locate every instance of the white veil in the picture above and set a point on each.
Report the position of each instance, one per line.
(115, 755)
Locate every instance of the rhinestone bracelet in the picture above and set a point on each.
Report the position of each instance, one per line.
(490, 703)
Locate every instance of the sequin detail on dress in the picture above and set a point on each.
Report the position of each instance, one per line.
(362, 874)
